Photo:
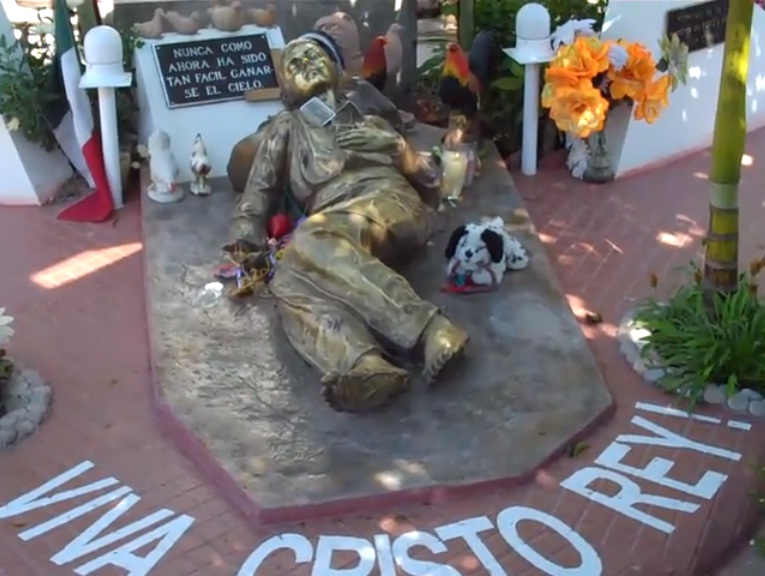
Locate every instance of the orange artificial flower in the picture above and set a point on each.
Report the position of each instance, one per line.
(579, 110)
(556, 77)
(548, 95)
(585, 58)
(561, 76)
(651, 102)
(636, 73)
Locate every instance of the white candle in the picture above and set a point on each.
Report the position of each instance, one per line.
(454, 165)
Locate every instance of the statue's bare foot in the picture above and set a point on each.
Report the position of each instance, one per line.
(369, 384)
(444, 342)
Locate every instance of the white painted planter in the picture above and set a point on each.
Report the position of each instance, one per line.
(27, 398)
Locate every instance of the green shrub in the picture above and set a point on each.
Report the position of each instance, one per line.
(25, 90)
(502, 106)
(25, 80)
(699, 340)
(6, 371)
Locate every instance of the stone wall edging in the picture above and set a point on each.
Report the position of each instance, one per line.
(28, 398)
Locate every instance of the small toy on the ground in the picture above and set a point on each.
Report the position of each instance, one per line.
(252, 270)
(163, 169)
(479, 254)
(200, 168)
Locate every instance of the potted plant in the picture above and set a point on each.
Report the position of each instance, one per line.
(589, 76)
(6, 366)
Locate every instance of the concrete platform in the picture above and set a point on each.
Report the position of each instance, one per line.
(529, 383)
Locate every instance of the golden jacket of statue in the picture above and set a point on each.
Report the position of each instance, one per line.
(368, 198)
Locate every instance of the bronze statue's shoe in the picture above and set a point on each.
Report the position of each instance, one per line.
(368, 385)
(444, 342)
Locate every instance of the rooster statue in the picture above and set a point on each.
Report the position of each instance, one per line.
(464, 79)
(200, 168)
(374, 69)
(164, 170)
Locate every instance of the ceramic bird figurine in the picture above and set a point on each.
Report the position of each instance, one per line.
(374, 69)
(163, 169)
(394, 50)
(186, 25)
(263, 18)
(227, 18)
(200, 168)
(153, 28)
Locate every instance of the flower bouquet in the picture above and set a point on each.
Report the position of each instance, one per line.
(588, 76)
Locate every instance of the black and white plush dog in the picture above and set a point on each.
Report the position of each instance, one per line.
(480, 253)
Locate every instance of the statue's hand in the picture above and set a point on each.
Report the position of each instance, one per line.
(369, 139)
(243, 248)
(246, 254)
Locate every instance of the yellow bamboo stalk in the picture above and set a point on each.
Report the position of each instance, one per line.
(721, 254)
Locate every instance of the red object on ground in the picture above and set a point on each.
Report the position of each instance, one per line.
(468, 288)
(278, 226)
(98, 206)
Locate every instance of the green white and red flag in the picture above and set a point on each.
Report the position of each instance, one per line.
(71, 118)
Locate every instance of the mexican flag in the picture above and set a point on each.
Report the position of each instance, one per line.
(73, 125)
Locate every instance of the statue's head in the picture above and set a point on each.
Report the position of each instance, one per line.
(311, 65)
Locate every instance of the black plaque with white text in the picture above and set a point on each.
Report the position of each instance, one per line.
(213, 70)
(700, 25)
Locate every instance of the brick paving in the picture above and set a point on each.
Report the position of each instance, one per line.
(77, 293)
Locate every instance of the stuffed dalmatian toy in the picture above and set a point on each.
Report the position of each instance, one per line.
(480, 253)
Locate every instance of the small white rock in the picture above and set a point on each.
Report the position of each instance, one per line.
(738, 402)
(630, 352)
(33, 378)
(752, 394)
(25, 427)
(639, 335)
(757, 408)
(653, 375)
(7, 436)
(714, 394)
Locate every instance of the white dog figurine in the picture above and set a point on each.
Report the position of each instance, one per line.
(164, 170)
(479, 254)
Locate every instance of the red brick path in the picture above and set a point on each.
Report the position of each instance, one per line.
(77, 294)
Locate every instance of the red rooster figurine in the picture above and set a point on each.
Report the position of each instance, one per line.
(374, 67)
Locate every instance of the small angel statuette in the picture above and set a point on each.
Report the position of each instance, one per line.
(164, 170)
(200, 168)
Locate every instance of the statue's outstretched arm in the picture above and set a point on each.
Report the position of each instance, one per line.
(264, 185)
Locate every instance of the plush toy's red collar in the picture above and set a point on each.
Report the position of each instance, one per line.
(463, 284)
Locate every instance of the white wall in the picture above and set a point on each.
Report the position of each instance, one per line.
(222, 124)
(688, 123)
(30, 174)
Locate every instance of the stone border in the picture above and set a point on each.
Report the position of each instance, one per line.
(27, 400)
(631, 341)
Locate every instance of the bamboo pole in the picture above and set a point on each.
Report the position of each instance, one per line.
(721, 253)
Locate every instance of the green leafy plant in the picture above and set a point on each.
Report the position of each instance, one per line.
(25, 91)
(6, 366)
(25, 81)
(502, 106)
(127, 106)
(698, 341)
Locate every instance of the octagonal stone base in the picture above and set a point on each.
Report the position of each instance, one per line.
(529, 382)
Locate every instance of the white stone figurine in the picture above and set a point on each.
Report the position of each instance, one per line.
(200, 168)
(164, 170)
